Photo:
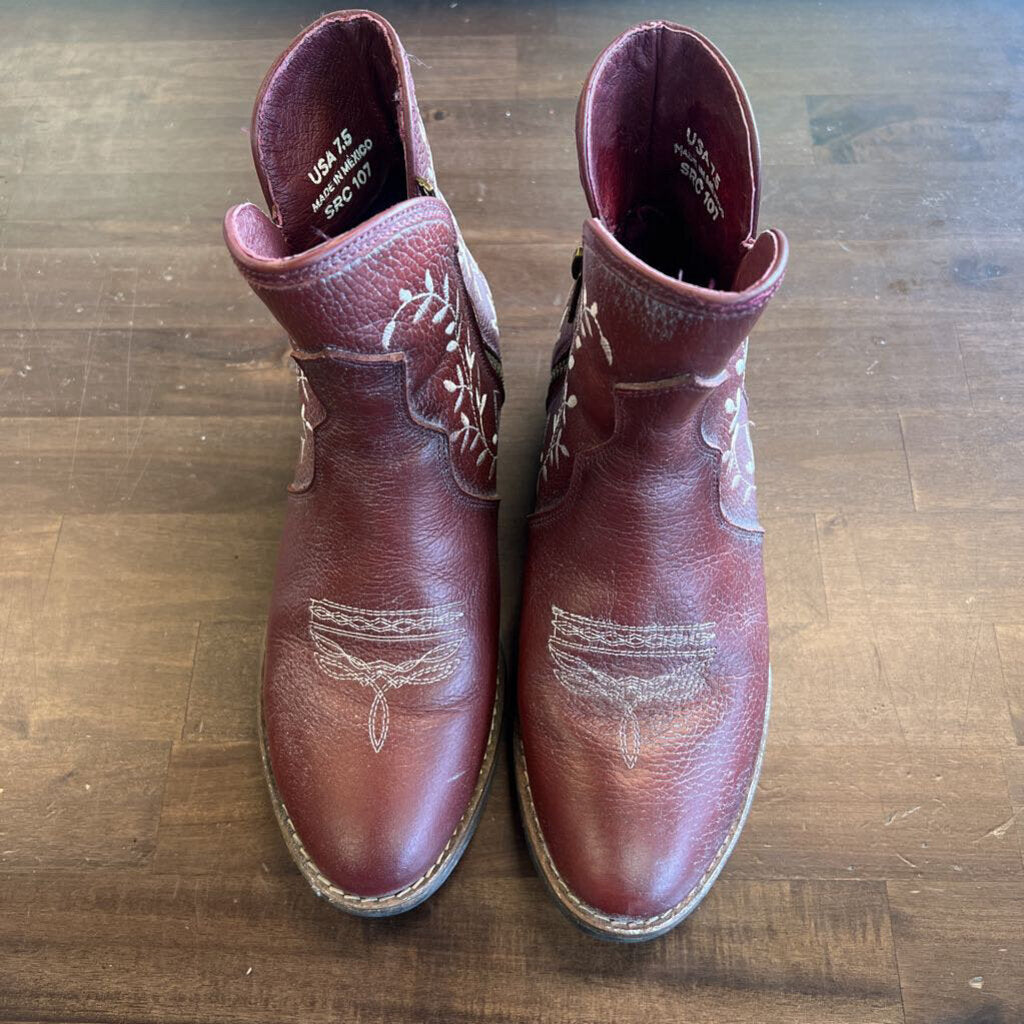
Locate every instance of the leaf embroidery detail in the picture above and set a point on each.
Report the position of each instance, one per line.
(587, 328)
(424, 300)
(738, 459)
(306, 440)
(473, 434)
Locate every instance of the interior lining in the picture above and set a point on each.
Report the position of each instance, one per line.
(327, 135)
(671, 153)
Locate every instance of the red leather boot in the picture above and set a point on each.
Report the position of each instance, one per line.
(643, 659)
(380, 706)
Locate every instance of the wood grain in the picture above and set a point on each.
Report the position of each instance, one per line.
(147, 429)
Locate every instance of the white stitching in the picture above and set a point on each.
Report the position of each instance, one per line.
(586, 327)
(739, 458)
(607, 637)
(467, 390)
(330, 623)
(424, 300)
(687, 650)
(682, 308)
(465, 383)
(306, 437)
(323, 269)
(416, 621)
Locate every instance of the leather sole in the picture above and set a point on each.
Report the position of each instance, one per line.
(434, 877)
(621, 928)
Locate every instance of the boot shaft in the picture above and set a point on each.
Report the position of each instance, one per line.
(361, 257)
(671, 275)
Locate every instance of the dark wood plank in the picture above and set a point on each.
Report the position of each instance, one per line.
(224, 678)
(855, 370)
(980, 929)
(893, 284)
(1010, 641)
(880, 564)
(165, 566)
(80, 802)
(901, 682)
(927, 204)
(796, 591)
(87, 676)
(102, 464)
(913, 128)
(216, 817)
(966, 461)
(855, 462)
(232, 947)
(136, 372)
(993, 361)
(845, 811)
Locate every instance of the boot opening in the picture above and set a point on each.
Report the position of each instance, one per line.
(669, 154)
(327, 136)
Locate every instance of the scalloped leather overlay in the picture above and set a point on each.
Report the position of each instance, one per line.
(312, 414)
(725, 427)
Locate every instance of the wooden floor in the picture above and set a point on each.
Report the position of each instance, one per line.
(149, 423)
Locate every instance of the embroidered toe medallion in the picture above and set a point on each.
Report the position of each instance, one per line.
(421, 647)
(629, 668)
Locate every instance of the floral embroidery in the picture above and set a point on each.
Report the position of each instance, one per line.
(587, 328)
(424, 300)
(628, 667)
(590, 327)
(738, 461)
(472, 434)
(555, 449)
(465, 385)
(306, 440)
(331, 624)
(311, 415)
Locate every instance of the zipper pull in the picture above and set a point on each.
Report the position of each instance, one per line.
(577, 282)
(577, 263)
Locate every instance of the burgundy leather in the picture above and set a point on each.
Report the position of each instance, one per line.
(379, 686)
(643, 658)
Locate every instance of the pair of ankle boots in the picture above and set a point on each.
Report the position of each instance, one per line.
(643, 676)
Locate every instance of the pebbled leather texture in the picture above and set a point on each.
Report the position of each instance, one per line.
(643, 657)
(380, 675)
